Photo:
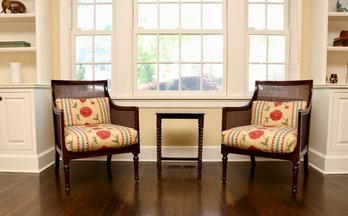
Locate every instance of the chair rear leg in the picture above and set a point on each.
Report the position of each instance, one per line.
(136, 167)
(108, 161)
(252, 160)
(57, 162)
(67, 177)
(224, 167)
(294, 179)
(305, 163)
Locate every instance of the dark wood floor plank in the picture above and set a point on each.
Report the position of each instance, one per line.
(97, 191)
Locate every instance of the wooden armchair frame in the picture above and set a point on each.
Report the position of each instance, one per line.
(277, 91)
(119, 115)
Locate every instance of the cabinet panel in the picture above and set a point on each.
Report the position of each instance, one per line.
(15, 121)
(340, 122)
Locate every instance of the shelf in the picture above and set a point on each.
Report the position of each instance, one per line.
(26, 17)
(17, 49)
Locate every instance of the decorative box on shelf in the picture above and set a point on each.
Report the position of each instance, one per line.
(7, 44)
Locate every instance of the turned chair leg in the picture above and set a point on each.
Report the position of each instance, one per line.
(136, 167)
(67, 177)
(252, 160)
(294, 179)
(224, 167)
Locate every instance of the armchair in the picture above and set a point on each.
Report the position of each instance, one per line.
(88, 124)
(274, 124)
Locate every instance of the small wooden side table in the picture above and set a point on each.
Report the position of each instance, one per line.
(179, 115)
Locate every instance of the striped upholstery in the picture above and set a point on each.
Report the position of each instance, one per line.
(273, 128)
(82, 138)
(273, 139)
(84, 111)
(276, 113)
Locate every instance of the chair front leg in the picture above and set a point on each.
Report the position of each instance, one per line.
(57, 162)
(108, 161)
(136, 167)
(224, 167)
(67, 177)
(294, 179)
(305, 163)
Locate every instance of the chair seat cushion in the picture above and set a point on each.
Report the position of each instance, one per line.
(83, 138)
(272, 139)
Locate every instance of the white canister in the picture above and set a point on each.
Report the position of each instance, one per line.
(15, 68)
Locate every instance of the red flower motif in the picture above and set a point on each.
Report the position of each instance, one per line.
(105, 147)
(86, 112)
(255, 134)
(83, 100)
(276, 115)
(103, 134)
(278, 103)
(253, 148)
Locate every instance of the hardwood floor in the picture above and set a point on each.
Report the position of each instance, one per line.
(178, 192)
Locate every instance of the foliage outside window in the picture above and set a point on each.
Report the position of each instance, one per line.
(179, 45)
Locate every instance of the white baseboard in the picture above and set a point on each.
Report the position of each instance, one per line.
(328, 164)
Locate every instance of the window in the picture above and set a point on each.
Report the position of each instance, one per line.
(267, 40)
(179, 46)
(92, 38)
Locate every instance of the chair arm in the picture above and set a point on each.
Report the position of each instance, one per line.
(304, 127)
(58, 121)
(236, 116)
(124, 115)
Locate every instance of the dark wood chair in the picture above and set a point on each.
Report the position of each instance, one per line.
(88, 124)
(274, 124)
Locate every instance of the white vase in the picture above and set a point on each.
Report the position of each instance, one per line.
(15, 68)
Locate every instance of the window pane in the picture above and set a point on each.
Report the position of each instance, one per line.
(147, 48)
(85, 1)
(256, 16)
(84, 48)
(275, 17)
(102, 49)
(190, 48)
(147, 16)
(212, 77)
(276, 72)
(276, 1)
(168, 77)
(169, 16)
(190, 77)
(85, 17)
(103, 1)
(213, 48)
(102, 72)
(257, 48)
(256, 72)
(147, 76)
(190, 16)
(276, 50)
(104, 17)
(169, 48)
(212, 16)
(257, 0)
(84, 72)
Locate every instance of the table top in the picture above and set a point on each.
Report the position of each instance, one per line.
(180, 114)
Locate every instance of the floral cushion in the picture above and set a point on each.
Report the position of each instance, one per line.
(83, 138)
(84, 111)
(273, 139)
(276, 113)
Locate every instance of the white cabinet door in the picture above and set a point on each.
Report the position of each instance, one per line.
(340, 121)
(15, 120)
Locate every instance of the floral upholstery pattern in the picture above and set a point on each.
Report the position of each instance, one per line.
(93, 137)
(273, 128)
(84, 111)
(276, 113)
(273, 139)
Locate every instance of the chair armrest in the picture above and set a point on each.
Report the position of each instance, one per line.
(58, 121)
(236, 116)
(124, 115)
(304, 118)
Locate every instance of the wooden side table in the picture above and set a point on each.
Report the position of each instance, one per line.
(179, 115)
